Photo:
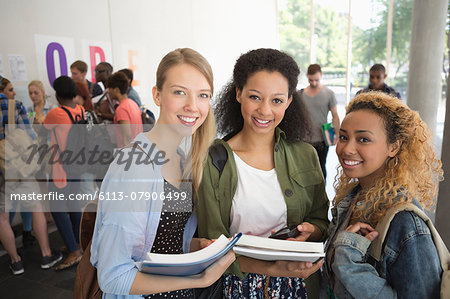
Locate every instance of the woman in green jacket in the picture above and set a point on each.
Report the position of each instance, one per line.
(270, 180)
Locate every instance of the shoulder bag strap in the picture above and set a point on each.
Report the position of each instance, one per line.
(11, 114)
(219, 156)
(57, 142)
(382, 228)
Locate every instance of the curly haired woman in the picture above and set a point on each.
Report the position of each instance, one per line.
(271, 178)
(386, 159)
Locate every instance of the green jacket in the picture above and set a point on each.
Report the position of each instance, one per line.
(301, 180)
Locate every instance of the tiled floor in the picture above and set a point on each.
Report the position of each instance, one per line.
(35, 282)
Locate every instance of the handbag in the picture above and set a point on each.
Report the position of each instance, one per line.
(18, 151)
(86, 283)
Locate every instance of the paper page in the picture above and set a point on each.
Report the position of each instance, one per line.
(282, 245)
(17, 67)
(275, 255)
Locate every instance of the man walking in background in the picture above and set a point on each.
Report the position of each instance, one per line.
(377, 75)
(320, 100)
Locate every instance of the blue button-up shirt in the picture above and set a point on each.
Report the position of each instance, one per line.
(20, 115)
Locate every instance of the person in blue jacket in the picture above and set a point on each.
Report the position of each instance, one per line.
(386, 156)
(146, 198)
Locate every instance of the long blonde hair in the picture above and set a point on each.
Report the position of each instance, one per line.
(415, 171)
(204, 135)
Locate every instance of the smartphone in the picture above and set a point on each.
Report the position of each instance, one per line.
(285, 233)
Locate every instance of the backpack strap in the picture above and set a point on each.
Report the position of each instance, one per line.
(219, 156)
(11, 114)
(68, 113)
(383, 227)
(74, 121)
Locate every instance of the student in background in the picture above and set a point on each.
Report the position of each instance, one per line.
(79, 70)
(66, 213)
(377, 76)
(28, 240)
(41, 106)
(36, 114)
(183, 91)
(127, 118)
(131, 93)
(87, 179)
(104, 105)
(83, 99)
(386, 156)
(320, 100)
(102, 72)
(49, 257)
(271, 178)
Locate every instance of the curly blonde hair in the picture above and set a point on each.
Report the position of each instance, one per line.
(414, 172)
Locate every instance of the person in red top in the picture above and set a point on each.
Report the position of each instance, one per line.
(128, 114)
(66, 213)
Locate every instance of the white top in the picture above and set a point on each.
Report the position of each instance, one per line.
(258, 205)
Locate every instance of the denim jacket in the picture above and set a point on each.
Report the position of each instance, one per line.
(409, 266)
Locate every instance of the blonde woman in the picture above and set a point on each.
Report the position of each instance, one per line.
(41, 106)
(126, 230)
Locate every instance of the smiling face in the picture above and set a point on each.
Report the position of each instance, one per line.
(184, 99)
(36, 94)
(264, 100)
(363, 147)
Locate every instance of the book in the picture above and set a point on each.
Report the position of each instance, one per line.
(281, 245)
(277, 255)
(328, 133)
(188, 263)
(273, 249)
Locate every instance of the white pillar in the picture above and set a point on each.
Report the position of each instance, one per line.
(349, 53)
(389, 36)
(443, 204)
(424, 87)
(425, 61)
(312, 44)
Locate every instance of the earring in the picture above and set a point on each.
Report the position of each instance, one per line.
(395, 161)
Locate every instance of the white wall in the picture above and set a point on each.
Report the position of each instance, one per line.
(219, 29)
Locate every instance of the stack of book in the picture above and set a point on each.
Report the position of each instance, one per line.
(247, 245)
(273, 249)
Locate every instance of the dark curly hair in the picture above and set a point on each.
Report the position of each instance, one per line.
(119, 80)
(296, 121)
(65, 88)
